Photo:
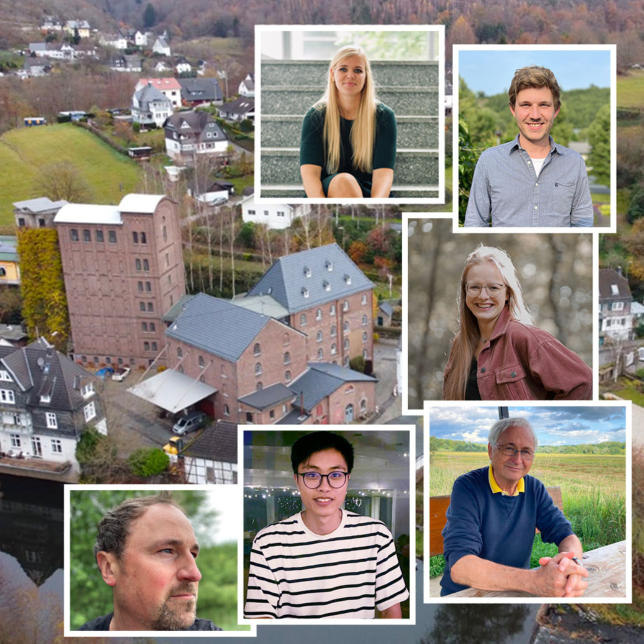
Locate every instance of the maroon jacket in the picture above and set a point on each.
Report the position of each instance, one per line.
(521, 362)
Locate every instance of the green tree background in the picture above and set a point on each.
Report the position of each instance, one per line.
(91, 597)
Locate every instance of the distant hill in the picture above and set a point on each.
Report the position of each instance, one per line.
(25, 151)
(606, 447)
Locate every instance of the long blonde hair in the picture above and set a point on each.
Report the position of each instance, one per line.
(363, 130)
(467, 337)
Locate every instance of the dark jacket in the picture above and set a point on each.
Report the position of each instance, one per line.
(521, 362)
(103, 624)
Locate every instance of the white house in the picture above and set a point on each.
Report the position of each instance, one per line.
(150, 106)
(183, 68)
(169, 87)
(141, 39)
(615, 301)
(276, 216)
(161, 47)
(193, 133)
(247, 86)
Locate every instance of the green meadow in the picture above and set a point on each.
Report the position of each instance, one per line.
(592, 487)
(24, 152)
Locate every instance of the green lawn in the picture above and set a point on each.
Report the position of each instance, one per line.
(630, 89)
(24, 151)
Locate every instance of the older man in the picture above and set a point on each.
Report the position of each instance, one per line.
(491, 524)
(146, 550)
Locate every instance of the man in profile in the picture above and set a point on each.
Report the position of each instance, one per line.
(491, 524)
(324, 561)
(146, 550)
(531, 181)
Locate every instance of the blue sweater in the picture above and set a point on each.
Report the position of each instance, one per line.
(495, 527)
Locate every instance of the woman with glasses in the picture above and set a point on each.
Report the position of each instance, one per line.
(497, 354)
(348, 143)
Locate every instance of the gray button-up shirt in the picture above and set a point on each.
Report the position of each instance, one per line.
(506, 187)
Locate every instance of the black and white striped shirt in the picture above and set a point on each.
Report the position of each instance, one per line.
(347, 573)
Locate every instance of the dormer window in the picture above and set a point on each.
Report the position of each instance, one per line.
(328, 265)
(305, 292)
(347, 278)
(307, 271)
(87, 390)
(326, 285)
(4, 375)
(614, 289)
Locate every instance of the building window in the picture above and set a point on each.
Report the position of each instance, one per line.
(15, 440)
(7, 396)
(142, 306)
(329, 265)
(36, 446)
(307, 271)
(364, 336)
(345, 305)
(617, 306)
(148, 286)
(140, 286)
(52, 421)
(87, 390)
(318, 314)
(334, 349)
(305, 291)
(89, 411)
(363, 404)
(165, 234)
(318, 336)
(249, 417)
(152, 326)
(135, 237)
(364, 320)
(99, 235)
(137, 264)
(111, 236)
(347, 278)
(143, 238)
(146, 265)
(345, 326)
(259, 386)
(4, 375)
(73, 234)
(332, 309)
(226, 410)
(346, 344)
(87, 235)
(363, 299)
(144, 326)
(320, 354)
(287, 358)
(326, 285)
(334, 330)
(56, 446)
(257, 349)
(303, 319)
(21, 221)
(179, 352)
(258, 368)
(271, 413)
(202, 362)
(150, 306)
(287, 376)
(167, 259)
(154, 346)
(146, 346)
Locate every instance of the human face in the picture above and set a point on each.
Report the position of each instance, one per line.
(485, 306)
(156, 579)
(349, 76)
(508, 470)
(322, 503)
(534, 112)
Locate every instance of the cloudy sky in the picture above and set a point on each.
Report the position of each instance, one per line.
(553, 425)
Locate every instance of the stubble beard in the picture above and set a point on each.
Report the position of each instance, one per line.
(176, 619)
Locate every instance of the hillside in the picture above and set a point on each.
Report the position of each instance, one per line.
(25, 151)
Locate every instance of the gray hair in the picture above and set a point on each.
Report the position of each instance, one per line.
(505, 423)
(113, 528)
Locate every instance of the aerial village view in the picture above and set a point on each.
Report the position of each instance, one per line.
(192, 287)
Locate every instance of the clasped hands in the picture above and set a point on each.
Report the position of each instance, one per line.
(560, 576)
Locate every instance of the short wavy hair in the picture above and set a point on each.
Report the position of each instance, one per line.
(505, 423)
(534, 76)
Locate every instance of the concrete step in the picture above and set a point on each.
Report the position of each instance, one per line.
(397, 192)
(413, 131)
(404, 101)
(314, 72)
(413, 167)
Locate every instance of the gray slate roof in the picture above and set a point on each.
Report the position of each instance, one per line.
(241, 105)
(198, 124)
(218, 443)
(200, 89)
(39, 204)
(217, 326)
(320, 380)
(268, 397)
(300, 281)
(608, 277)
(150, 94)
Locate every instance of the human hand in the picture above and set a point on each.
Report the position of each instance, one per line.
(573, 572)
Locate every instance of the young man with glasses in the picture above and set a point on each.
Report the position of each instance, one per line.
(324, 561)
(491, 524)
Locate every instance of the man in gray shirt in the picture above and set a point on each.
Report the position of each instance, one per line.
(531, 181)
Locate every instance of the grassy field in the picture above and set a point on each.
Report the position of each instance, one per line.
(630, 89)
(592, 487)
(24, 151)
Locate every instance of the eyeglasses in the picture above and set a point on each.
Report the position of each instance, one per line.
(314, 479)
(511, 452)
(477, 289)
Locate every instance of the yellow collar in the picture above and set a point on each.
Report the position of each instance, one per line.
(495, 486)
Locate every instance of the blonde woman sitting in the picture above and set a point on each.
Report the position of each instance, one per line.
(348, 144)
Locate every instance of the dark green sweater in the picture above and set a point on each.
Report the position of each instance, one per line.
(384, 151)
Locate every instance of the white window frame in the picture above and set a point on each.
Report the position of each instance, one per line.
(56, 446)
(8, 396)
(89, 411)
(52, 420)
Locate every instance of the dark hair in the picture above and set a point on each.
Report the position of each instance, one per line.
(113, 528)
(318, 441)
(534, 76)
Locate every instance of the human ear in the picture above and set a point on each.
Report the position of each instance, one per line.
(108, 566)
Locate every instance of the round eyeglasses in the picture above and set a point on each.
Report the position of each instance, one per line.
(511, 452)
(314, 479)
(477, 289)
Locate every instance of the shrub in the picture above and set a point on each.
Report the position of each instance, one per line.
(148, 461)
(357, 364)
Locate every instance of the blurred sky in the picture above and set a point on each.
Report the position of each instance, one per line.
(561, 425)
(226, 501)
(491, 71)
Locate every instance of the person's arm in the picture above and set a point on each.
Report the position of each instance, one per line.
(571, 547)
(393, 612)
(479, 206)
(311, 180)
(381, 181)
(546, 581)
(263, 591)
(582, 203)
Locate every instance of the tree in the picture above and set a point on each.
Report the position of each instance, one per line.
(148, 461)
(357, 251)
(636, 205)
(62, 180)
(149, 16)
(10, 305)
(43, 287)
(246, 235)
(599, 138)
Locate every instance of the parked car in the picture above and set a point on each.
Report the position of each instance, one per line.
(190, 422)
(121, 374)
(105, 371)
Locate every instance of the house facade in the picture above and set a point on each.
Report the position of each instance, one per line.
(9, 261)
(275, 216)
(46, 401)
(161, 47)
(36, 213)
(169, 87)
(200, 91)
(238, 110)
(247, 86)
(123, 269)
(150, 107)
(615, 301)
(188, 134)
